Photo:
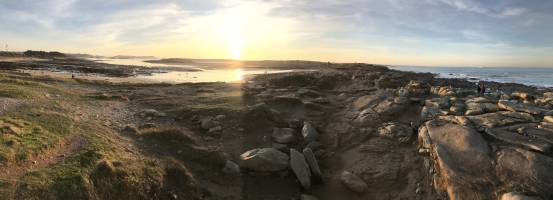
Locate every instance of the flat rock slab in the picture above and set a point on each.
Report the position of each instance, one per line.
(522, 169)
(543, 134)
(300, 168)
(462, 156)
(518, 107)
(497, 119)
(312, 161)
(515, 138)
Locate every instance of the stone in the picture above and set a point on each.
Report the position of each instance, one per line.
(429, 113)
(307, 197)
(281, 147)
(295, 123)
(312, 161)
(516, 196)
(526, 170)
(309, 133)
(515, 107)
(480, 108)
(462, 158)
(300, 168)
(314, 145)
(208, 123)
(397, 131)
(231, 168)
(479, 100)
(367, 117)
(548, 119)
(220, 117)
(264, 160)
(521, 95)
(353, 182)
(215, 129)
(284, 135)
(129, 129)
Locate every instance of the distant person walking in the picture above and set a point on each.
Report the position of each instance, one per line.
(481, 88)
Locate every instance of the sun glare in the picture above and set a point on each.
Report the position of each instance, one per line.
(234, 30)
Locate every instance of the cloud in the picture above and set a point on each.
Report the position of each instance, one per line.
(394, 26)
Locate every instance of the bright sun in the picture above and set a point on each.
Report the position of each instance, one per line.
(234, 30)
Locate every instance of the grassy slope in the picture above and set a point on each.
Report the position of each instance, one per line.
(44, 119)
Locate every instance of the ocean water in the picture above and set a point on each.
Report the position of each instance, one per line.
(540, 77)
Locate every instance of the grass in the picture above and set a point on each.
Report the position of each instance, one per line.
(22, 139)
(12, 91)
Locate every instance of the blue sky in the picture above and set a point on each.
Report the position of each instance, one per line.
(406, 32)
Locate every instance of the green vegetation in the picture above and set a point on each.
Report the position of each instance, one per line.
(21, 139)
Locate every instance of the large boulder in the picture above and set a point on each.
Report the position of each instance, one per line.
(525, 170)
(353, 182)
(300, 168)
(264, 160)
(462, 159)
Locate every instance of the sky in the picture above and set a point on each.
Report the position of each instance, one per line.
(395, 32)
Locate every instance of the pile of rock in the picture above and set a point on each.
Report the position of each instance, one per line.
(281, 156)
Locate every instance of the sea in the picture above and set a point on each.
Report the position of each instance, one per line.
(539, 77)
